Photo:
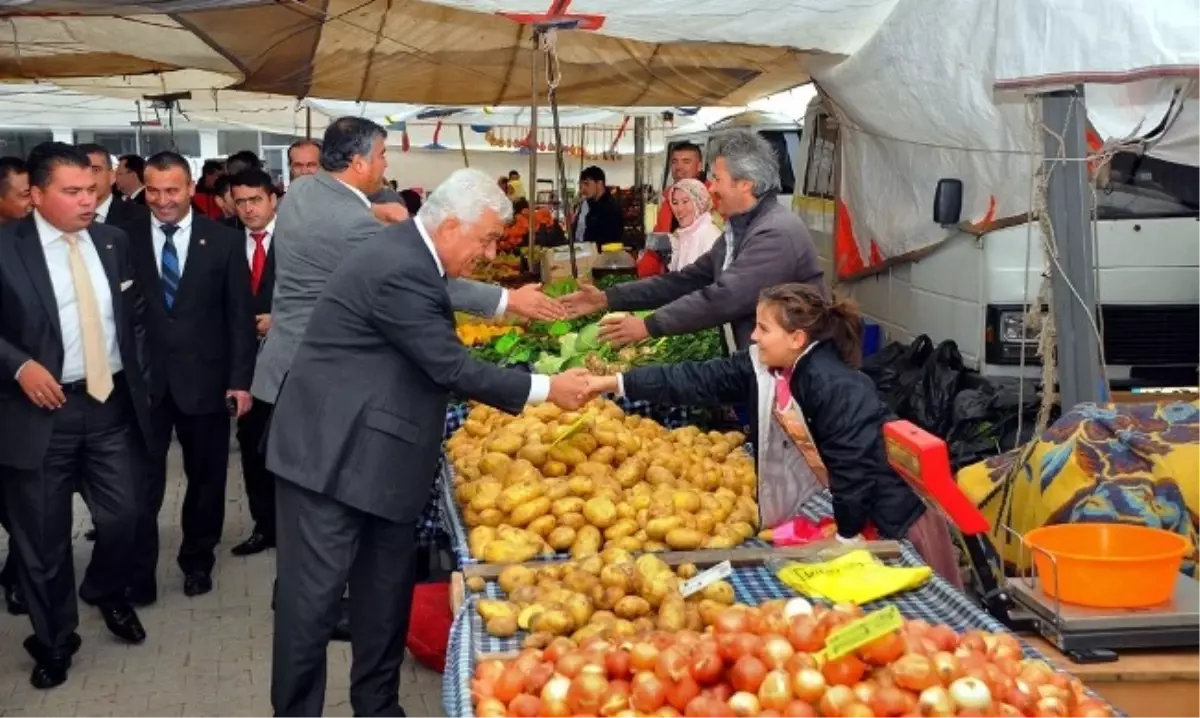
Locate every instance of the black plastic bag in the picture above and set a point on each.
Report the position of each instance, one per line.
(931, 404)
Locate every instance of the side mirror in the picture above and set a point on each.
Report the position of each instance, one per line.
(947, 202)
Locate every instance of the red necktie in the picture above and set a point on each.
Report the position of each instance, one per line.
(258, 262)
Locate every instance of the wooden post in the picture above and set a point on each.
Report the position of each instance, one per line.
(531, 184)
(462, 144)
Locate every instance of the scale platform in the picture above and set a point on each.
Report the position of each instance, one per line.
(1091, 634)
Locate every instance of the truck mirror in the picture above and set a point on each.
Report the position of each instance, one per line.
(947, 202)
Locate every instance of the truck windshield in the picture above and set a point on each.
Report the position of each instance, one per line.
(1141, 187)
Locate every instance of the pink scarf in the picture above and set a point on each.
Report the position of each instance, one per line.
(692, 241)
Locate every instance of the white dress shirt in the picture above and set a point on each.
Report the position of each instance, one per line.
(102, 210)
(135, 193)
(182, 239)
(58, 261)
(539, 384)
(251, 244)
(357, 192)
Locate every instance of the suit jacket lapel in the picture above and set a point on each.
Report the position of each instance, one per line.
(29, 246)
(108, 257)
(141, 241)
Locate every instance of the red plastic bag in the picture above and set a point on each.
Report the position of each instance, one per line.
(429, 624)
(800, 531)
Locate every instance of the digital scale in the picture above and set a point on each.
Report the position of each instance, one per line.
(1082, 633)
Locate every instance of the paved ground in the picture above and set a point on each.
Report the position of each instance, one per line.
(204, 656)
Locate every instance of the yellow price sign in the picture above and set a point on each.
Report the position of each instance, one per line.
(853, 636)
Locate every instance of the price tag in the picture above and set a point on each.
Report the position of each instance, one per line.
(853, 636)
(697, 583)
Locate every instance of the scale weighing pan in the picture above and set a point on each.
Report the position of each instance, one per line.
(1088, 634)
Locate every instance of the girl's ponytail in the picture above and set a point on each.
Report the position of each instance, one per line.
(845, 326)
(804, 307)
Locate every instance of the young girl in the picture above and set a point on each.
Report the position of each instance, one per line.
(820, 422)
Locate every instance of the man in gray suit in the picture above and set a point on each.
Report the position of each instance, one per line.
(320, 220)
(357, 435)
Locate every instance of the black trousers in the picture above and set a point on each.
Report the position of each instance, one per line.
(96, 448)
(260, 484)
(323, 546)
(8, 574)
(204, 440)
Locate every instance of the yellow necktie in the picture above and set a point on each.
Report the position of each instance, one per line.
(95, 353)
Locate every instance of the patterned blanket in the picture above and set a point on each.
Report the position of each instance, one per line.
(1126, 463)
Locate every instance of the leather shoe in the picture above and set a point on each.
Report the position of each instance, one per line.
(341, 631)
(90, 534)
(196, 583)
(257, 543)
(122, 622)
(51, 667)
(14, 598)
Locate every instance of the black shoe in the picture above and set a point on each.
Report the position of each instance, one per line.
(196, 583)
(14, 598)
(51, 668)
(122, 622)
(90, 534)
(341, 632)
(257, 543)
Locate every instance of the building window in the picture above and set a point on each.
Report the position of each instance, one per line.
(18, 143)
(233, 141)
(275, 139)
(125, 142)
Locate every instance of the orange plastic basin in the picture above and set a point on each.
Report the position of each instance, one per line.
(1107, 565)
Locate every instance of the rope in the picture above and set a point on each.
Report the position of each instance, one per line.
(548, 41)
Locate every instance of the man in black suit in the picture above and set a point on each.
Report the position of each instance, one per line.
(254, 199)
(131, 178)
(111, 209)
(75, 410)
(202, 345)
(356, 434)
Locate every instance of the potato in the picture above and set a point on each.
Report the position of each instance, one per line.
(686, 571)
(572, 520)
(556, 489)
(719, 542)
(477, 428)
(683, 539)
(744, 528)
(489, 608)
(494, 464)
(672, 615)
(603, 455)
(561, 538)
(694, 621)
(535, 454)
(501, 626)
(513, 576)
(584, 441)
(719, 591)
(631, 607)
(587, 542)
(604, 618)
(629, 543)
(659, 587)
(592, 565)
(591, 468)
(527, 512)
(523, 595)
(555, 621)
(621, 529)
(616, 556)
(554, 468)
(629, 473)
(580, 607)
(709, 610)
(618, 576)
(508, 552)
(476, 584)
(660, 475)
(686, 501)
(567, 505)
(542, 525)
(600, 512)
(490, 517)
(485, 495)
(608, 596)
(582, 485)
(567, 454)
(658, 528)
(538, 640)
(587, 632)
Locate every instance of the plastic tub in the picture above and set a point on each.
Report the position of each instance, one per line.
(1107, 565)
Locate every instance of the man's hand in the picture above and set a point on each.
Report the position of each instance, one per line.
(389, 212)
(619, 331)
(586, 301)
(570, 389)
(40, 386)
(262, 322)
(529, 302)
(597, 385)
(243, 401)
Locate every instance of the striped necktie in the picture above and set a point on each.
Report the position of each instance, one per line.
(170, 265)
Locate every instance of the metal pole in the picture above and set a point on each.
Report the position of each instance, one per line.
(462, 144)
(639, 152)
(137, 135)
(308, 122)
(531, 185)
(1080, 376)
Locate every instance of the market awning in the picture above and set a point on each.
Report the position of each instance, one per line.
(371, 50)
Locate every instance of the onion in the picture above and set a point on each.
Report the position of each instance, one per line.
(970, 693)
(667, 712)
(554, 696)
(775, 652)
(797, 607)
(935, 701)
(510, 685)
(850, 609)
(947, 667)
(914, 672)
(857, 710)
(864, 691)
(672, 665)
(647, 693)
(808, 685)
(836, 698)
(1091, 708)
(800, 660)
(643, 656)
(745, 704)
(490, 708)
(731, 620)
(747, 674)
(588, 692)
(558, 648)
(1050, 707)
(844, 671)
(775, 692)
(1004, 710)
(883, 650)
(722, 692)
(888, 701)
(943, 637)
(570, 664)
(490, 670)
(537, 677)
(681, 692)
(617, 700)
(799, 709)
(525, 706)
(806, 634)
(707, 666)
(617, 663)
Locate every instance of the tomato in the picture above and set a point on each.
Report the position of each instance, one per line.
(681, 692)
(883, 650)
(747, 674)
(844, 671)
(806, 634)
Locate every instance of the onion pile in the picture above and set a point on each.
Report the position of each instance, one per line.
(765, 662)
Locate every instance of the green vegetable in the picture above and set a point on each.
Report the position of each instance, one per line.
(559, 328)
(589, 337)
(568, 344)
(548, 364)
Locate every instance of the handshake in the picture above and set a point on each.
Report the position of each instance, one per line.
(576, 387)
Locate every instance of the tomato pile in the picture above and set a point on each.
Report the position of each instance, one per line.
(766, 661)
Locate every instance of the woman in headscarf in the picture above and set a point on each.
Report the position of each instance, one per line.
(692, 206)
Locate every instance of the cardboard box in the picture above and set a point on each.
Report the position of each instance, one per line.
(556, 263)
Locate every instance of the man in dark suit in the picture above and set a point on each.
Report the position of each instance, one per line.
(254, 200)
(202, 344)
(131, 178)
(356, 436)
(111, 209)
(75, 411)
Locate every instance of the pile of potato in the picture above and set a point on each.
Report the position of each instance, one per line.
(620, 482)
(609, 595)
